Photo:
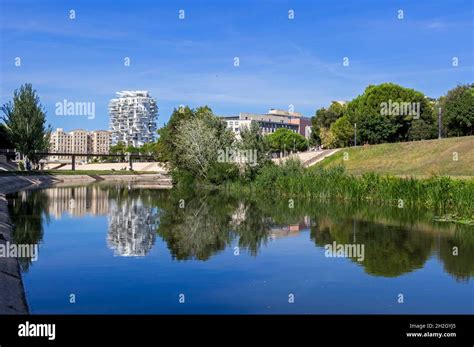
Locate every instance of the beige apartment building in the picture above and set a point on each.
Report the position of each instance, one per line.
(79, 141)
(100, 141)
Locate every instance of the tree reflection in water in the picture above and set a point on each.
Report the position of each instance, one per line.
(197, 225)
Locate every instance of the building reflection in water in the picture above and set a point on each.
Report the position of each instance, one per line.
(396, 242)
(132, 228)
(77, 201)
(131, 224)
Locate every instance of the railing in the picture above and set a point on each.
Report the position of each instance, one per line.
(129, 156)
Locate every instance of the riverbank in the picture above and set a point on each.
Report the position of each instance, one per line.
(450, 199)
(12, 297)
(453, 157)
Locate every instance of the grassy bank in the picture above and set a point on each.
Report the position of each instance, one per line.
(448, 157)
(450, 199)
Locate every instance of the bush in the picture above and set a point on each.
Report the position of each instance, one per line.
(221, 172)
(182, 178)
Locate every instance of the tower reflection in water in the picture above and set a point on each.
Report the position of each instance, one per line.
(396, 242)
(132, 228)
(131, 224)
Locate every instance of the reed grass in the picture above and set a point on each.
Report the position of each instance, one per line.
(451, 198)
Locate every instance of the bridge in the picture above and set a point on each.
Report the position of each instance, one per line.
(12, 154)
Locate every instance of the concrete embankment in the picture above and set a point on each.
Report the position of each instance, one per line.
(12, 294)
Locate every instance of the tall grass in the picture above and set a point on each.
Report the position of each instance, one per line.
(445, 196)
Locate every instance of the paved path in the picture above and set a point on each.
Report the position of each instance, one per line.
(310, 158)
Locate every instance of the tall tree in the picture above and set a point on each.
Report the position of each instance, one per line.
(252, 139)
(197, 146)
(4, 138)
(324, 118)
(384, 113)
(459, 111)
(343, 131)
(165, 145)
(25, 122)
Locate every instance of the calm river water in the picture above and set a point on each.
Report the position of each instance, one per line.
(134, 249)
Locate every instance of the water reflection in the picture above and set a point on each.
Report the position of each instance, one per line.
(132, 227)
(199, 226)
(389, 250)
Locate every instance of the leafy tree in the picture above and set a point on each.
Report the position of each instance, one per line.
(197, 144)
(119, 148)
(324, 118)
(132, 149)
(422, 130)
(328, 140)
(25, 123)
(224, 135)
(149, 148)
(286, 140)
(165, 145)
(343, 131)
(459, 111)
(384, 113)
(4, 138)
(252, 139)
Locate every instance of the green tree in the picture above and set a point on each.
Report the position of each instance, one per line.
(328, 140)
(4, 138)
(343, 131)
(253, 140)
(197, 143)
(459, 111)
(422, 130)
(324, 118)
(132, 149)
(384, 113)
(286, 140)
(165, 145)
(119, 148)
(25, 123)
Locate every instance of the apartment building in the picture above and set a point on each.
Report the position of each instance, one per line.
(79, 141)
(133, 118)
(100, 141)
(270, 122)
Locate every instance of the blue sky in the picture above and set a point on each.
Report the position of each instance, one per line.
(282, 62)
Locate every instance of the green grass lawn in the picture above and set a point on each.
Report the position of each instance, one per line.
(419, 158)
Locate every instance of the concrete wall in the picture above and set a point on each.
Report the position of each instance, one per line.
(12, 295)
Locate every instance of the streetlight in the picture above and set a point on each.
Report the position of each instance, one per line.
(355, 134)
(439, 122)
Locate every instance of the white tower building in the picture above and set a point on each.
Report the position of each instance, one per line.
(133, 118)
